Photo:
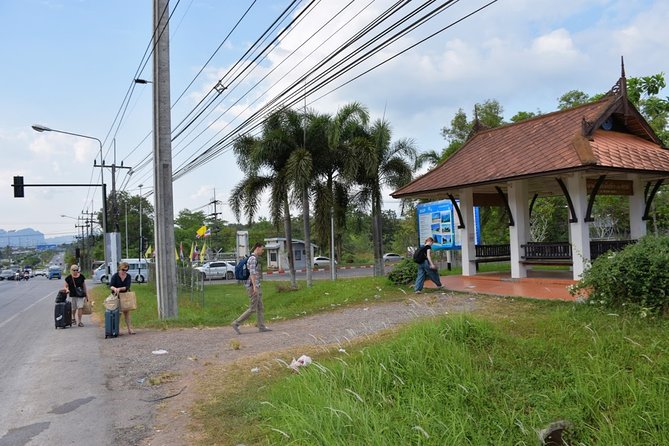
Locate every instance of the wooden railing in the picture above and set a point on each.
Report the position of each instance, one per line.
(599, 247)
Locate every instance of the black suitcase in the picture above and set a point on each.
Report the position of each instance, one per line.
(112, 321)
(63, 314)
(61, 297)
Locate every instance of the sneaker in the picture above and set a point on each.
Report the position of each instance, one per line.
(235, 326)
(418, 292)
(264, 329)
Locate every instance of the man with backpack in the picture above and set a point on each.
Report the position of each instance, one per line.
(426, 268)
(254, 290)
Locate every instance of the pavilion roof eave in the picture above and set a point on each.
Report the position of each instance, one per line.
(595, 169)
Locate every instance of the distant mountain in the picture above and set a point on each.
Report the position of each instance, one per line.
(30, 238)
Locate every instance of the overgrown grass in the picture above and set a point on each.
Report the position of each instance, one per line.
(491, 379)
(224, 302)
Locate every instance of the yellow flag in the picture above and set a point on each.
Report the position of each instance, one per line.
(203, 251)
(192, 247)
(200, 232)
(148, 252)
(176, 254)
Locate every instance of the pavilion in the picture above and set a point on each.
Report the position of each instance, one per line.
(603, 147)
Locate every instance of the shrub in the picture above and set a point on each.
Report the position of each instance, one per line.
(404, 272)
(636, 277)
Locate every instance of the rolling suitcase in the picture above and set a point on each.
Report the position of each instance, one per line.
(63, 314)
(112, 320)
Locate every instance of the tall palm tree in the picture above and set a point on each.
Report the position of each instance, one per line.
(263, 160)
(334, 165)
(386, 164)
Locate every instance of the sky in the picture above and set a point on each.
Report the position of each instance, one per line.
(69, 65)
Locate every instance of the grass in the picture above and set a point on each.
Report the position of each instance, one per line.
(497, 378)
(222, 303)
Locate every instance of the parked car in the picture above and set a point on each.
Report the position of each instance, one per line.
(217, 270)
(322, 261)
(138, 269)
(40, 272)
(392, 257)
(7, 274)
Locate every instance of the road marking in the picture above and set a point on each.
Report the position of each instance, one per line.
(2, 324)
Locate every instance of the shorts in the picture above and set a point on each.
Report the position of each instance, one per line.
(77, 302)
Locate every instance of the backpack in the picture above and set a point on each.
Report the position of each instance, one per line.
(241, 270)
(420, 255)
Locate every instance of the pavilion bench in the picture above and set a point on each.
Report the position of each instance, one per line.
(492, 253)
(539, 253)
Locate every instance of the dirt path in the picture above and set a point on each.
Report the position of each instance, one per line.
(156, 418)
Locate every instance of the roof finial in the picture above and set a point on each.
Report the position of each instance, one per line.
(622, 67)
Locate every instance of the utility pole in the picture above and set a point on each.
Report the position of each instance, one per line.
(166, 285)
(214, 215)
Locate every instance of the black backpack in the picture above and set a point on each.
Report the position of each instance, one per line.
(420, 255)
(242, 270)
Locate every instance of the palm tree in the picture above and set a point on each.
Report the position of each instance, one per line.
(386, 164)
(334, 166)
(263, 160)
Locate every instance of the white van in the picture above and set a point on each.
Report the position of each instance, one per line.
(138, 269)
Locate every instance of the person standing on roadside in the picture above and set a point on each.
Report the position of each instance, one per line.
(120, 283)
(75, 285)
(426, 267)
(254, 291)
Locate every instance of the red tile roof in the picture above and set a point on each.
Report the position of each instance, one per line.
(541, 146)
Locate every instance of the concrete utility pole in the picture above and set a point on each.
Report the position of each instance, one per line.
(166, 285)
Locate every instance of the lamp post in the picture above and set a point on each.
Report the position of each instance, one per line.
(42, 128)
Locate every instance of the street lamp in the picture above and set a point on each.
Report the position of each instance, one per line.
(42, 128)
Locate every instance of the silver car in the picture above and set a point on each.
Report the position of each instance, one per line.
(219, 269)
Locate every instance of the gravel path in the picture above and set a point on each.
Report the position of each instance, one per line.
(154, 417)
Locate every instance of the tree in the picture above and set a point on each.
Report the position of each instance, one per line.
(383, 164)
(345, 132)
(573, 98)
(263, 161)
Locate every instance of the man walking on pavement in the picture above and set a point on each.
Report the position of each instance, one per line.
(254, 290)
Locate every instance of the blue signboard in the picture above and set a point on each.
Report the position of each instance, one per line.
(439, 220)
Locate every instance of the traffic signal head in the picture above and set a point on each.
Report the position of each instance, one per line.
(18, 187)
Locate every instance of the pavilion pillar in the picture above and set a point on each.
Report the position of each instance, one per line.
(637, 207)
(467, 235)
(520, 231)
(579, 232)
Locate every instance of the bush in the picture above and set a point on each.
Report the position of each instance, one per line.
(636, 277)
(404, 272)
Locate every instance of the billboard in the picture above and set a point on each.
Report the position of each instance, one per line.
(439, 220)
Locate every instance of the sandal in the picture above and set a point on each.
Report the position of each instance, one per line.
(81, 324)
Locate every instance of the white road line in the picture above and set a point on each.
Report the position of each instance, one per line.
(2, 324)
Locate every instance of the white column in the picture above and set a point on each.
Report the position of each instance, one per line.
(637, 206)
(579, 232)
(467, 235)
(519, 232)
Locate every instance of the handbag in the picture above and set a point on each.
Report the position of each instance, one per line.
(88, 307)
(79, 292)
(112, 302)
(128, 301)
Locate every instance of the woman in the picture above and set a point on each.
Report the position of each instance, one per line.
(75, 285)
(120, 283)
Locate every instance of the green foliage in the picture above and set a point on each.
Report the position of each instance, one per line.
(636, 278)
(439, 382)
(524, 115)
(404, 272)
(573, 98)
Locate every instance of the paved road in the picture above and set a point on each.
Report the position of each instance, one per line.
(52, 382)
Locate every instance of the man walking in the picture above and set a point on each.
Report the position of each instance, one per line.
(254, 290)
(426, 267)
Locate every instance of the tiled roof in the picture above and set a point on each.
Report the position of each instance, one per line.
(546, 144)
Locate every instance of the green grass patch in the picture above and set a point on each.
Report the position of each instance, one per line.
(221, 304)
(493, 378)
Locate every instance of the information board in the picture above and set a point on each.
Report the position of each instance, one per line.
(439, 220)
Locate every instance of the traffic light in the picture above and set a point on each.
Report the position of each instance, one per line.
(18, 187)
